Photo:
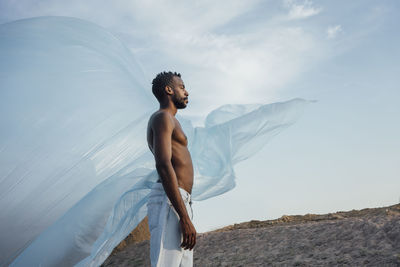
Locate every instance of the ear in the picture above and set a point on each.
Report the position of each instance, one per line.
(169, 90)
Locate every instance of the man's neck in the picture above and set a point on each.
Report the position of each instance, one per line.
(169, 107)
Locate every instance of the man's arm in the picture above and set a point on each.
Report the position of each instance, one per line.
(163, 126)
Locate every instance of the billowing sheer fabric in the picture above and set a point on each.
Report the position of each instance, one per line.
(75, 169)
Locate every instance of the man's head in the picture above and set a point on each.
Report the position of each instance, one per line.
(170, 85)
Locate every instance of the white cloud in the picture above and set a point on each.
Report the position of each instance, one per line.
(333, 31)
(218, 66)
(301, 10)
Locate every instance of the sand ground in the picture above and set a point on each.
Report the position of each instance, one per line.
(370, 237)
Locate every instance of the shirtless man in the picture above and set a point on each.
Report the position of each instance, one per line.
(173, 235)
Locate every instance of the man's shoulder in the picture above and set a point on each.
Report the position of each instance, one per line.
(161, 117)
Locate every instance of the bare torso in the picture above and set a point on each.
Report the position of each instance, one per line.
(180, 159)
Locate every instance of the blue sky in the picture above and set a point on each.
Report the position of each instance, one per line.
(344, 152)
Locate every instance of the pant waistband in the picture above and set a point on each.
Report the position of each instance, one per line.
(185, 194)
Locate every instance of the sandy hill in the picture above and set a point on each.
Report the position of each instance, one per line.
(368, 237)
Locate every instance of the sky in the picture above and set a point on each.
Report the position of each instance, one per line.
(343, 153)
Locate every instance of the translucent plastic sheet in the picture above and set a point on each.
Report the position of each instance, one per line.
(75, 169)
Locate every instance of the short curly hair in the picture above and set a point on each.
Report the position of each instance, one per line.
(160, 81)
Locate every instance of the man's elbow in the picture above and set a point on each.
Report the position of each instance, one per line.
(163, 165)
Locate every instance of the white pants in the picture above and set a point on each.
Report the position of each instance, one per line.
(165, 231)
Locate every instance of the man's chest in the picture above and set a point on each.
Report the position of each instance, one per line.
(179, 136)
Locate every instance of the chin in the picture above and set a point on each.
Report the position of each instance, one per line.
(181, 106)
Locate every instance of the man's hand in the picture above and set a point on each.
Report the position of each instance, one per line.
(188, 234)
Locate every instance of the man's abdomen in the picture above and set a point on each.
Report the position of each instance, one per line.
(182, 164)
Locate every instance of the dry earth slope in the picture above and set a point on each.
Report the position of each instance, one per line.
(369, 237)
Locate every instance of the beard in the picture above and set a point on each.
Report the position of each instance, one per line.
(179, 103)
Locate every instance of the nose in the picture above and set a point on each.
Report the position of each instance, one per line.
(186, 93)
